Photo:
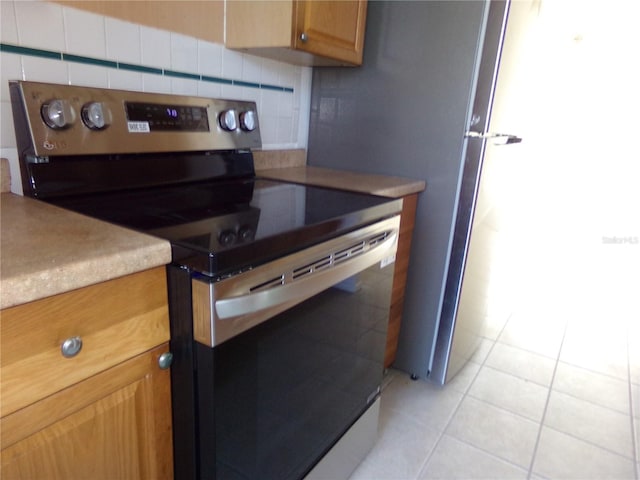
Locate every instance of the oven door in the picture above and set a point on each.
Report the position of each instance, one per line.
(290, 356)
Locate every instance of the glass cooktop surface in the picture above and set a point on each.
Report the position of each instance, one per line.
(222, 226)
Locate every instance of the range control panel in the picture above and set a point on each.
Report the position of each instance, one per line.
(73, 120)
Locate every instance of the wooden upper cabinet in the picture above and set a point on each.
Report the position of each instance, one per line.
(331, 29)
(202, 19)
(312, 33)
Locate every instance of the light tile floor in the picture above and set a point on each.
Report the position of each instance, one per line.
(553, 392)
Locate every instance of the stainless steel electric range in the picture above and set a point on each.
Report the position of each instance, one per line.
(278, 292)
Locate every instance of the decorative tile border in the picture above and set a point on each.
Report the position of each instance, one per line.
(68, 57)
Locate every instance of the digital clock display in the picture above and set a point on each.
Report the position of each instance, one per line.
(160, 117)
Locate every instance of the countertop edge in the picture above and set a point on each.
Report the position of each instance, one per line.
(28, 288)
(383, 185)
(92, 251)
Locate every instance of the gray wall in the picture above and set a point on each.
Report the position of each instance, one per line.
(404, 113)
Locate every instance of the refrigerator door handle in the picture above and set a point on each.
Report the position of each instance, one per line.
(498, 138)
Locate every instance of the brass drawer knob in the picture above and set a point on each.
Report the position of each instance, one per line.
(71, 347)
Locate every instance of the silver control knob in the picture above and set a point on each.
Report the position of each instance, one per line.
(58, 114)
(165, 360)
(95, 116)
(246, 234)
(227, 120)
(71, 347)
(248, 121)
(227, 237)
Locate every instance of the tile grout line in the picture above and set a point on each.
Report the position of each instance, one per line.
(464, 395)
(546, 405)
(592, 402)
(589, 442)
(597, 372)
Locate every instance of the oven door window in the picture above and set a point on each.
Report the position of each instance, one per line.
(274, 400)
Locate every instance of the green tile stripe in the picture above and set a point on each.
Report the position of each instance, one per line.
(139, 68)
(68, 57)
(246, 84)
(31, 52)
(226, 81)
(89, 61)
(176, 74)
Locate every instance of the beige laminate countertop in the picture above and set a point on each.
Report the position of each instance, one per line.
(45, 250)
(383, 185)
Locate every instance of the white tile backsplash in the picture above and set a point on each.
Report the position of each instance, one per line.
(84, 33)
(184, 53)
(8, 24)
(210, 58)
(237, 93)
(125, 80)
(268, 125)
(285, 130)
(289, 75)
(40, 25)
(123, 41)
(284, 115)
(88, 75)
(269, 100)
(10, 69)
(155, 47)
(232, 64)
(206, 89)
(285, 104)
(184, 86)
(155, 83)
(45, 70)
(270, 71)
(251, 68)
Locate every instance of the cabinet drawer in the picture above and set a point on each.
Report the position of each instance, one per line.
(116, 320)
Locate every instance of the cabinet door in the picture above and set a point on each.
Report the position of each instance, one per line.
(333, 29)
(116, 424)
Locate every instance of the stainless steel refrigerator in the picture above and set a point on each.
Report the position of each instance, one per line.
(420, 107)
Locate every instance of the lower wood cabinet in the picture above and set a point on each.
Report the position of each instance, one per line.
(407, 222)
(115, 425)
(111, 424)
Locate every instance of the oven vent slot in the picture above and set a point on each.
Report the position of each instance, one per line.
(323, 263)
(347, 253)
(274, 282)
(378, 239)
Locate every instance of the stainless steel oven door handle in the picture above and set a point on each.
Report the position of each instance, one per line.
(304, 288)
(224, 309)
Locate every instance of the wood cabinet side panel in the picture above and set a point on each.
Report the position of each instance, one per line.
(407, 221)
(408, 216)
(258, 23)
(393, 332)
(202, 19)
